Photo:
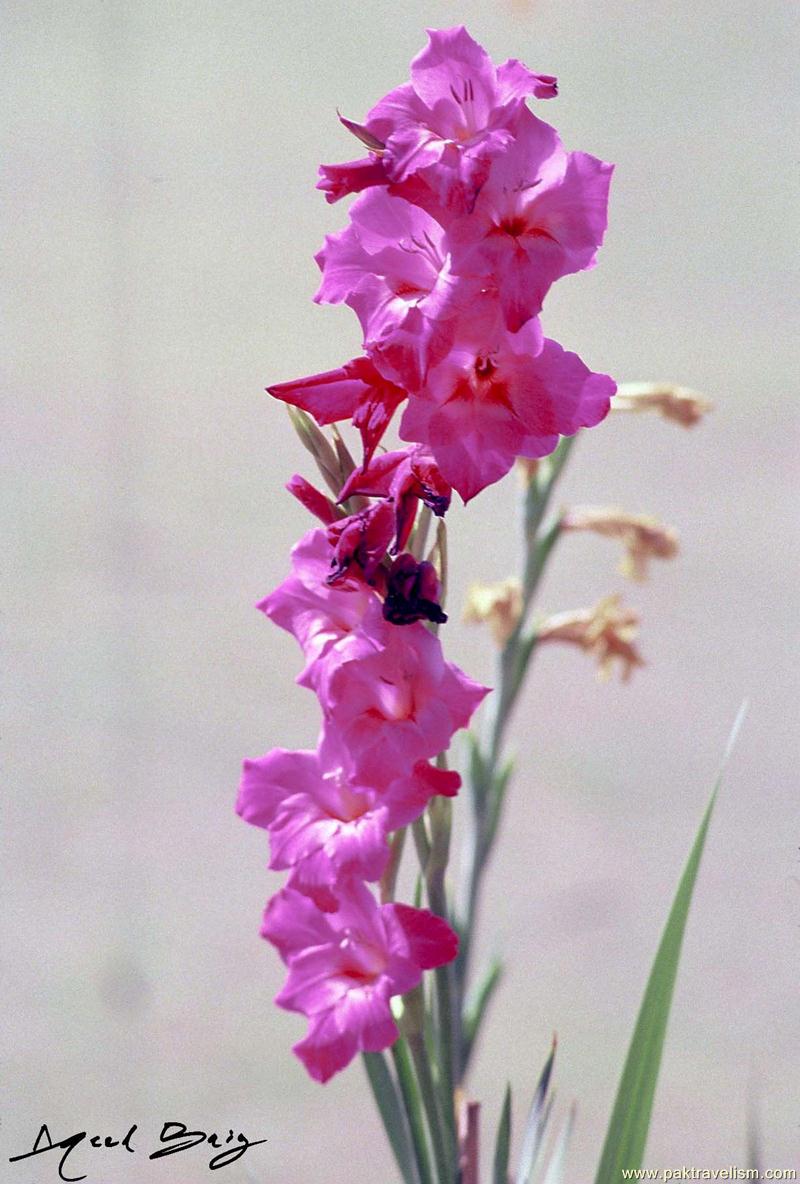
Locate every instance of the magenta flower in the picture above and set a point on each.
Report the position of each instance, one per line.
(407, 477)
(499, 395)
(455, 114)
(324, 825)
(541, 214)
(399, 702)
(391, 265)
(354, 391)
(319, 616)
(345, 966)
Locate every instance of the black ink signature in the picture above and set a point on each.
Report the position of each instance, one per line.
(174, 1138)
(183, 1139)
(69, 1144)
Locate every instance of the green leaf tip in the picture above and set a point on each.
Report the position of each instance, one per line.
(630, 1119)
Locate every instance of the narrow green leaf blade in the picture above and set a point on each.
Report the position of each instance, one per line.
(390, 1107)
(502, 1147)
(630, 1120)
(477, 1007)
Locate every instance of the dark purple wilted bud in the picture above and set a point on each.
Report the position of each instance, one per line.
(363, 539)
(413, 592)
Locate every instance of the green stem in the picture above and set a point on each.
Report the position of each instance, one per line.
(443, 1146)
(389, 877)
(411, 1100)
(512, 667)
(433, 855)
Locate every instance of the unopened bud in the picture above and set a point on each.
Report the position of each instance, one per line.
(362, 133)
(319, 446)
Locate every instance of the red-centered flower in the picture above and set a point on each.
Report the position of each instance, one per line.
(541, 214)
(345, 966)
(499, 395)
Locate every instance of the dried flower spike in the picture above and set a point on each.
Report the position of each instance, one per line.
(676, 403)
(499, 604)
(606, 632)
(643, 537)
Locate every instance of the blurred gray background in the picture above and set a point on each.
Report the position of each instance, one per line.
(161, 224)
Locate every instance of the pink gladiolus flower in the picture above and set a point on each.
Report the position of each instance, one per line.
(407, 476)
(541, 214)
(320, 617)
(457, 112)
(323, 823)
(391, 261)
(354, 391)
(499, 395)
(399, 702)
(345, 966)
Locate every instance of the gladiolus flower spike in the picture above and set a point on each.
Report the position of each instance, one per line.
(469, 210)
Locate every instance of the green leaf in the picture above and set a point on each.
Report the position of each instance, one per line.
(478, 772)
(630, 1120)
(477, 1006)
(497, 798)
(390, 1107)
(412, 1104)
(502, 1147)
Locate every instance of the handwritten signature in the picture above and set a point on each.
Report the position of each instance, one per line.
(174, 1138)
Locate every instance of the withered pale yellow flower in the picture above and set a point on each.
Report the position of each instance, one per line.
(676, 403)
(606, 632)
(498, 604)
(643, 537)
